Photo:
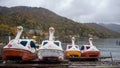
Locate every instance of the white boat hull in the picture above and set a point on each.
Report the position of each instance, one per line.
(50, 55)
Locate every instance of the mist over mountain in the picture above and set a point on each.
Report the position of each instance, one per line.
(103, 30)
(114, 27)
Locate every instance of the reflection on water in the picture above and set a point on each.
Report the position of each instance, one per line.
(105, 46)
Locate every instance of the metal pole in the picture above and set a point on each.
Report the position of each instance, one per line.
(111, 57)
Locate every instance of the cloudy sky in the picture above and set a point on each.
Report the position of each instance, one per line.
(84, 11)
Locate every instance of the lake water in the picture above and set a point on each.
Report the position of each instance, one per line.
(105, 46)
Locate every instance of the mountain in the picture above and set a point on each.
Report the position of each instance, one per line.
(103, 31)
(114, 27)
(36, 21)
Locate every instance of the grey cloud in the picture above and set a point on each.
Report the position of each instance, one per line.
(101, 11)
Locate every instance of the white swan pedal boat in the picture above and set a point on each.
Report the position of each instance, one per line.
(19, 49)
(51, 50)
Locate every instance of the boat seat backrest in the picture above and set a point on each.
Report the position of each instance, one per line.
(83, 47)
(32, 44)
(23, 43)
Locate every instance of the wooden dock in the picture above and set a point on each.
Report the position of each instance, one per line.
(88, 58)
(33, 65)
(81, 64)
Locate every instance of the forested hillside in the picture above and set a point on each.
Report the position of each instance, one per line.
(36, 21)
